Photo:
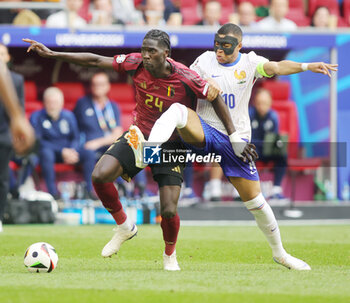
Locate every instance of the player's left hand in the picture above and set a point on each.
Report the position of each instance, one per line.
(213, 90)
(322, 68)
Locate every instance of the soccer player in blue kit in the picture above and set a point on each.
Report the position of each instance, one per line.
(235, 74)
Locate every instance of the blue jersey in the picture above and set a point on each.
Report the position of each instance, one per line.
(262, 125)
(56, 134)
(88, 122)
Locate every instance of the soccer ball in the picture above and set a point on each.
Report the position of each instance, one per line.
(40, 257)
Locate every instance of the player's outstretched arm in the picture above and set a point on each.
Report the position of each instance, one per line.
(241, 148)
(85, 59)
(287, 67)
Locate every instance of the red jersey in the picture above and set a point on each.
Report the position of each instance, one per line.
(155, 95)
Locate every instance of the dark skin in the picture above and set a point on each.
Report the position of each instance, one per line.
(154, 55)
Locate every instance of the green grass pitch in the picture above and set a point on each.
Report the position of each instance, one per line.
(219, 264)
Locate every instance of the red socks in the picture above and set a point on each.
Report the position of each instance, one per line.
(170, 227)
(109, 197)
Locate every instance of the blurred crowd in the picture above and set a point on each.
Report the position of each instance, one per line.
(258, 14)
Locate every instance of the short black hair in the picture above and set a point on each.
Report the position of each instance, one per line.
(161, 36)
(230, 28)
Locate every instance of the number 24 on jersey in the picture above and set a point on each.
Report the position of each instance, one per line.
(152, 101)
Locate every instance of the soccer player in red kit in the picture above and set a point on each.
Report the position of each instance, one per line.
(159, 82)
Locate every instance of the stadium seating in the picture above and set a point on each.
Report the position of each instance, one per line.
(31, 102)
(124, 95)
(137, 2)
(332, 5)
(84, 10)
(32, 106)
(72, 91)
(227, 8)
(297, 15)
(280, 90)
(346, 10)
(30, 91)
(297, 167)
(297, 4)
(189, 11)
(255, 2)
(288, 124)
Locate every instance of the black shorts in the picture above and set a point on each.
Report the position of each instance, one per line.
(163, 174)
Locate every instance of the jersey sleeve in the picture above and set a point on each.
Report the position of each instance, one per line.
(255, 60)
(195, 83)
(127, 63)
(199, 66)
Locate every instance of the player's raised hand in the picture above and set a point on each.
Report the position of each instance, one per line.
(322, 68)
(38, 47)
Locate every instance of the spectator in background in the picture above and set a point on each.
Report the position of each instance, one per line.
(211, 14)
(27, 17)
(246, 14)
(321, 18)
(69, 17)
(159, 12)
(57, 131)
(98, 117)
(277, 19)
(99, 123)
(264, 121)
(124, 10)
(102, 13)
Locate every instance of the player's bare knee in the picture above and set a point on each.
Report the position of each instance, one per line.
(101, 174)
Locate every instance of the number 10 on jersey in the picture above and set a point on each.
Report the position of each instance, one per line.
(229, 100)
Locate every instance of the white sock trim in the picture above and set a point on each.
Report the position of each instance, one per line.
(127, 224)
(255, 204)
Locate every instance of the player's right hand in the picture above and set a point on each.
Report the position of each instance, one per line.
(38, 47)
(213, 90)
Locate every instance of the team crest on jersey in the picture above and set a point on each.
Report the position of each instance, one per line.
(170, 91)
(241, 76)
(120, 59)
(143, 85)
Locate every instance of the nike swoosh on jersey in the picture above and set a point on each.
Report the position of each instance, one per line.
(252, 172)
(215, 76)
